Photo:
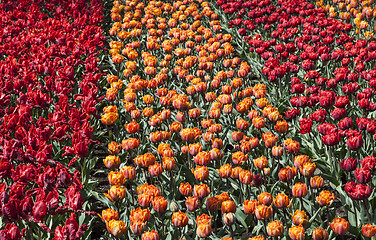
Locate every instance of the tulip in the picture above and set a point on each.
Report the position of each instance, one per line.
(320, 234)
(201, 191)
(246, 177)
(325, 198)
(179, 219)
(151, 235)
(287, 174)
(116, 227)
(297, 232)
(265, 198)
(228, 206)
(316, 182)
(109, 214)
(128, 172)
(368, 230)
(185, 189)
(348, 164)
(228, 218)
(340, 226)
(362, 175)
(159, 204)
(204, 219)
(263, 212)
(239, 158)
(225, 171)
(116, 193)
(300, 218)
(137, 227)
(114, 148)
(307, 169)
(201, 173)
(274, 229)
(116, 178)
(260, 163)
(192, 203)
(299, 190)
(203, 230)
(282, 201)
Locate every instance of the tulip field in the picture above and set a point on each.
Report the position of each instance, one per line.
(192, 119)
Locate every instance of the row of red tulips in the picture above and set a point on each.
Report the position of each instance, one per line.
(48, 95)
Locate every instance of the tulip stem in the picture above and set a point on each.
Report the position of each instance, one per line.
(39, 233)
(356, 217)
(231, 231)
(172, 183)
(366, 207)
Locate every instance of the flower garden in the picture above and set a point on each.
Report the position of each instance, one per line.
(191, 119)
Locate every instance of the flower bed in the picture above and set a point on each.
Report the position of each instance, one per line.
(323, 73)
(194, 140)
(48, 96)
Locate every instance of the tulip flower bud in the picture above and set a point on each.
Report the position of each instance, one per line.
(155, 170)
(362, 175)
(228, 218)
(39, 210)
(307, 169)
(213, 204)
(11, 232)
(201, 173)
(225, 171)
(257, 180)
(348, 165)
(128, 172)
(249, 207)
(116, 178)
(174, 207)
(287, 174)
(277, 151)
(201, 191)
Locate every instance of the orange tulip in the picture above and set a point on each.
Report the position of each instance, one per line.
(340, 226)
(297, 232)
(274, 229)
(325, 198)
(179, 219)
(116, 227)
